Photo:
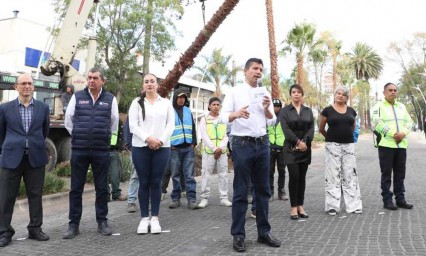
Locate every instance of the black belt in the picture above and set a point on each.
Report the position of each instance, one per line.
(253, 139)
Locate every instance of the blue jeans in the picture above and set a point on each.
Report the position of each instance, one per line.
(183, 157)
(80, 161)
(133, 184)
(150, 165)
(251, 161)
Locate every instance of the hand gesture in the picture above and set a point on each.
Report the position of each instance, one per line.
(243, 113)
(266, 102)
(153, 143)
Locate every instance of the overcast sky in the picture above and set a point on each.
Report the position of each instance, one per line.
(244, 33)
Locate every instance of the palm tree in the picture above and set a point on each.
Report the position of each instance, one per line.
(217, 70)
(300, 38)
(187, 59)
(272, 49)
(366, 64)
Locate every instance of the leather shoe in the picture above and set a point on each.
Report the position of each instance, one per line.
(104, 229)
(239, 244)
(4, 241)
(303, 215)
(38, 235)
(269, 240)
(404, 205)
(72, 231)
(390, 206)
(294, 217)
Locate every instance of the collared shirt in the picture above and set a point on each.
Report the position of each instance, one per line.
(159, 121)
(69, 116)
(206, 139)
(26, 115)
(239, 97)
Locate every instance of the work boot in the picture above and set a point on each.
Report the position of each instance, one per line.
(131, 208)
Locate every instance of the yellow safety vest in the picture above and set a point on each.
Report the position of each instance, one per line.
(216, 133)
(391, 118)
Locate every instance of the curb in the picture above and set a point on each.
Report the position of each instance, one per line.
(49, 200)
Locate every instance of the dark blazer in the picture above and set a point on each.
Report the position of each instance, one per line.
(12, 135)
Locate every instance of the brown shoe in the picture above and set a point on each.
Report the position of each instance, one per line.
(121, 197)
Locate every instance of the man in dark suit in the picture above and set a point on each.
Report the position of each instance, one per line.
(24, 126)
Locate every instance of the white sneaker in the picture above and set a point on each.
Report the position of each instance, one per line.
(225, 202)
(143, 226)
(203, 203)
(155, 226)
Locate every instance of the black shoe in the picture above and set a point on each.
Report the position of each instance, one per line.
(294, 217)
(38, 235)
(404, 205)
(390, 206)
(104, 229)
(269, 240)
(4, 241)
(239, 244)
(71, 232)
(303, 215)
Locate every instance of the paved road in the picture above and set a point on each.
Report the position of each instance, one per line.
(207, 231)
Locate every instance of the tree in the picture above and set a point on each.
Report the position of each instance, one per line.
(217, 71)
(333, 47)
(299, 39)
(272, 49)
(187, 59)
(123, 25)
(366, 64)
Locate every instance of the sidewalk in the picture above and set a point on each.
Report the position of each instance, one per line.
(207, 231)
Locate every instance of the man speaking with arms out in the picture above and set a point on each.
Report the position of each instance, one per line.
(248, 107)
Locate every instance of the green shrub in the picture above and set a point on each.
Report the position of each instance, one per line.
(126, 166)
(63, 169)
(52, 184)
(318, 137)
(89, 176)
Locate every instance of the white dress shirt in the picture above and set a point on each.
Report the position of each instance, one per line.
(239, 97)
(159, 121)
(69, 114)
(206, 139)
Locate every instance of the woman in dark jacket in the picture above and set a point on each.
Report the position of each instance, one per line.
(298, 125)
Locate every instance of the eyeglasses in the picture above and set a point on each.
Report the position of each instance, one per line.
(26, 83)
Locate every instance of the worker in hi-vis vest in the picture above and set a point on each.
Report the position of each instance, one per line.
(214, 154)
(115, 165)
(392, 123)
(276, 139)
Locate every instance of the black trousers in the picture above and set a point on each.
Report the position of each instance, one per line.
(9, 187)
(297, 183)
(277, 156)
(392, 159)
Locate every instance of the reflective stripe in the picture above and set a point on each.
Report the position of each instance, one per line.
(216, 133)
(183, 129)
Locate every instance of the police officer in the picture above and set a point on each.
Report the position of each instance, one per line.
(392, 123)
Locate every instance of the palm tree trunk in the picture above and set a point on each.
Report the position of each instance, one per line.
(300, 69)
(187, 59)
(272, 50)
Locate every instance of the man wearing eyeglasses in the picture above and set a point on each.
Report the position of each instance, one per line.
(392, 121)
(24, 126)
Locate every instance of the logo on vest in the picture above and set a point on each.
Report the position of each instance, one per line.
(103, 103)
(83, 102)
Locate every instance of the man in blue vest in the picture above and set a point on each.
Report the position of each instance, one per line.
(91, 118)
(276, 140)
(183, 141)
